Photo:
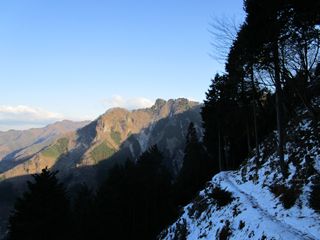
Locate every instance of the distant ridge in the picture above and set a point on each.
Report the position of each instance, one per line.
(16, 145)
(116, 135)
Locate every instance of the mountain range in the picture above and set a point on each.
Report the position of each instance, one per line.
(17, 146)
(115, 136)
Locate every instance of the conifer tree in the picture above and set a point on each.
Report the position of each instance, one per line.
(83, 213)
(153, 194)
(136, 200)
(42, 211)
(314, 198)
(195, 168)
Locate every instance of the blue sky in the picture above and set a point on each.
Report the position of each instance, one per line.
(74, 58)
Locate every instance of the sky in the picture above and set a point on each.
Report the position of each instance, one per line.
(74, 59)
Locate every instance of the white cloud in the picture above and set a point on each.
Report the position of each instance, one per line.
(23, 117)
(128, 103)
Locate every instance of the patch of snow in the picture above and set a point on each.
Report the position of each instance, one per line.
(317, 163)
(305, 125)
(144, 137)
(171, 144)
(255, 213)
(131, 150)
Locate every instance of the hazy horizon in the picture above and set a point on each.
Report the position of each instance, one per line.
(52, 119)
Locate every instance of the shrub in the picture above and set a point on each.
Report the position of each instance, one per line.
(264, 237)
(225, 232)
(198, 207)
(181, 231)
(235, 211)
(288, 196)
(314, 198)
(277, 189)
(221, 196)
(309, 167)
(242, 224)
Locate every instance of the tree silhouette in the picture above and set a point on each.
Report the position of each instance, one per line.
(136, 200)
(195, 169)
(42, 211)
(83, 213)
(283, 40)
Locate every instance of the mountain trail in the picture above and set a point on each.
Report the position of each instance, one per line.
(287, 231)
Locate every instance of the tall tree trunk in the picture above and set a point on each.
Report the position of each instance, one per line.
(226, 152)
(256, 134)
(279, 107)
(255, 118)
(248, 136)
(220, 160)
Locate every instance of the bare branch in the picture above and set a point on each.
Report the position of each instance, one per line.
(223, 31)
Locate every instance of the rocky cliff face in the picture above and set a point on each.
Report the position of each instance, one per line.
(115, 136)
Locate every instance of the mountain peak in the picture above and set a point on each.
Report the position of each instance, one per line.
(160, 102)
(183, 101)
(116, 110)
(174, 102)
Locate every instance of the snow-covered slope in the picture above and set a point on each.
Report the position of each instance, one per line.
(257, 210)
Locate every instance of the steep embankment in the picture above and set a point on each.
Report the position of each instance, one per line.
(265, 204)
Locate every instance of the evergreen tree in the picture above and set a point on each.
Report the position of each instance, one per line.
(267, 20)
(213, 121)
(283, 41)
(111, 206)
(154, 194)
(136, 200)
(314, 198)
(82, 213)
(195, 169)
(42, 212)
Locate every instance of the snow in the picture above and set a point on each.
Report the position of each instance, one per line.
(144, 137)
(317, 163)
(131, 150)
(262, 213)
